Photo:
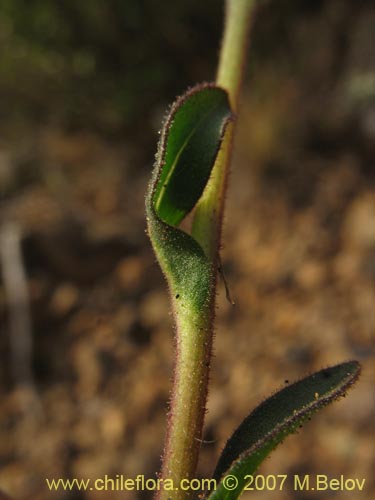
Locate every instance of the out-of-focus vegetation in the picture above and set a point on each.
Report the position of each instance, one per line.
(102, 64)
(112, 65)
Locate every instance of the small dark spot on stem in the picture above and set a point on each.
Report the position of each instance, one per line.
(178, 296)
(286, 381)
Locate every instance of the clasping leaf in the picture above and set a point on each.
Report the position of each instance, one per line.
(189, 143)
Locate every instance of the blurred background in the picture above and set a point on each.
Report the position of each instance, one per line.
(86, 342)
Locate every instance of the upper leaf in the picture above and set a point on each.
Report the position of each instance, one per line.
(189, 143)
(188, 146)
(274, 419)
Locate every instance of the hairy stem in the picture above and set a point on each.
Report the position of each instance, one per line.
(188, 401)
(207, 223)
(195, 329)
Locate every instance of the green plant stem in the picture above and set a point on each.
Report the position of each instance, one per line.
(207, 223)
(188, 400)
(195, 328)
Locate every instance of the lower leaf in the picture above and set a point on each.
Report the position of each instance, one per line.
(274, 419)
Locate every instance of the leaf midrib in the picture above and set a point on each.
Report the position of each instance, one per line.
(171, 171)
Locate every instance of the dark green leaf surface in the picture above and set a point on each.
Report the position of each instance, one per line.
(274, 419)
(187, 151)
(189, 143)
